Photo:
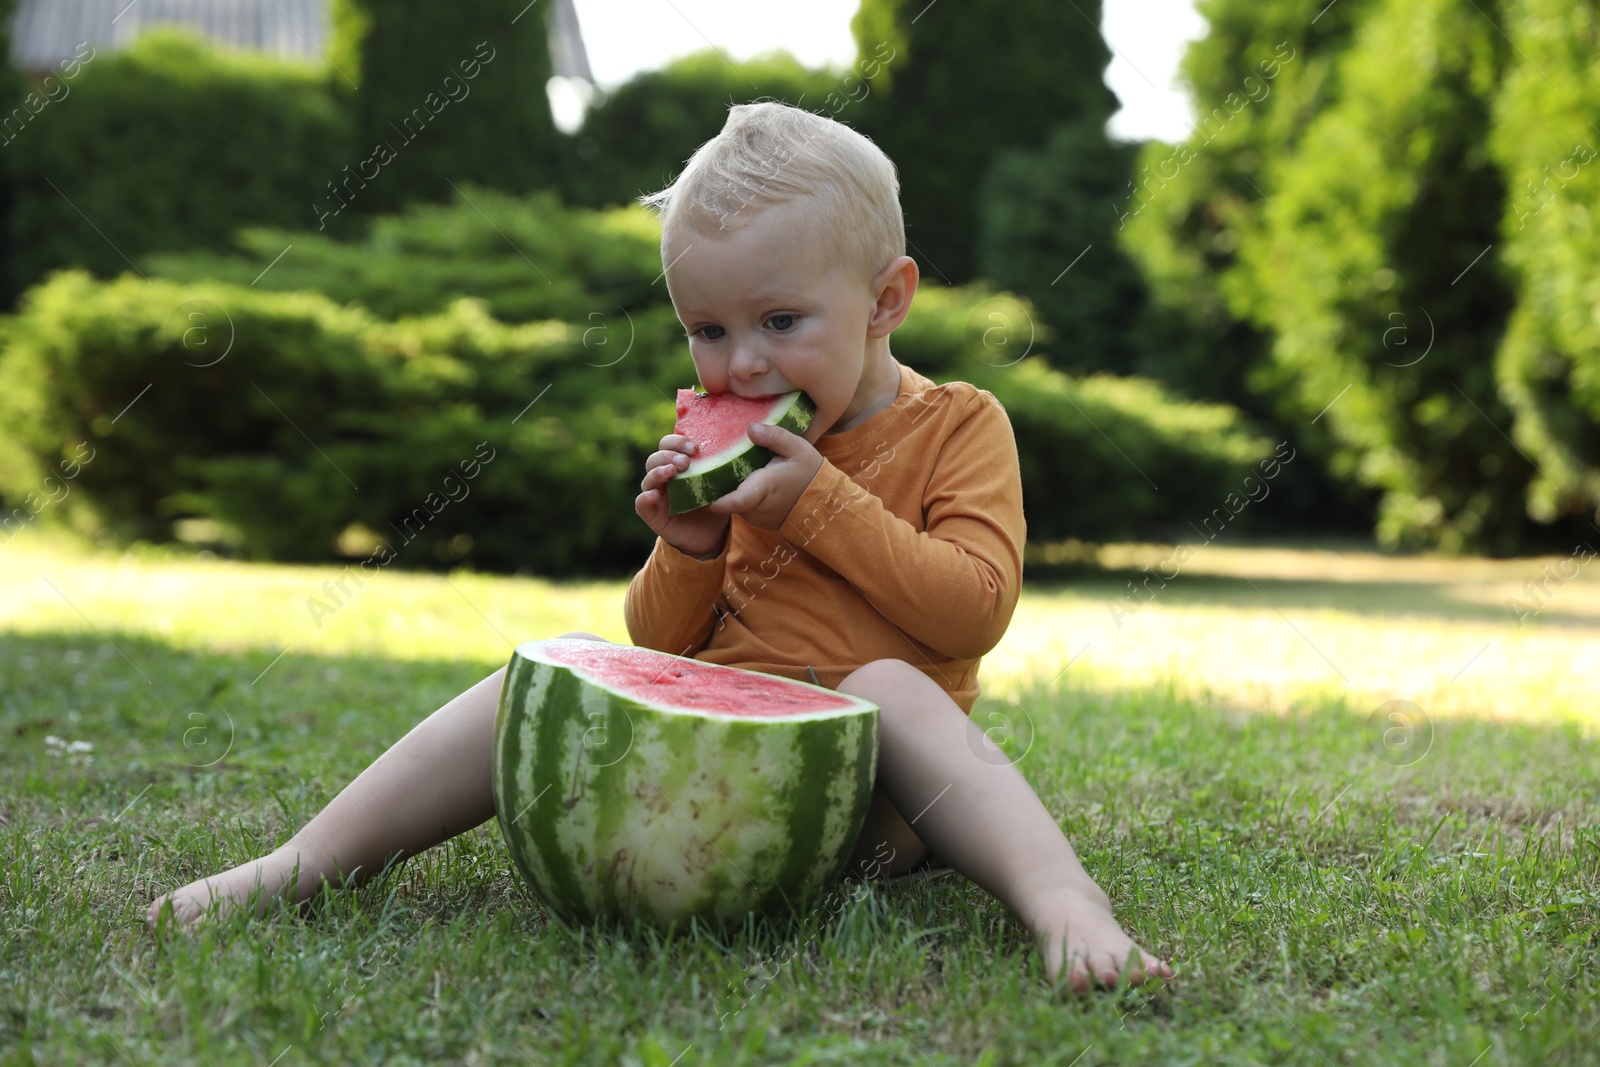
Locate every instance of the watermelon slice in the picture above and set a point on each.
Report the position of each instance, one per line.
(719, 424)
(636, 785)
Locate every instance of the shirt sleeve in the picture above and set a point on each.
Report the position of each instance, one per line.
(954, 585)
(669, 603)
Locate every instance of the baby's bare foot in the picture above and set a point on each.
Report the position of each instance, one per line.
(1077, 933)
(230, 891)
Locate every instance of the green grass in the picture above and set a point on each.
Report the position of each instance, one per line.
(1216, 759)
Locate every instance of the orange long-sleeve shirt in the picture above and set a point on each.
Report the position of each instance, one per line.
(906, 545)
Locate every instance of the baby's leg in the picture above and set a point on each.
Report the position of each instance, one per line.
(887, 846)
(432, 784)
(981, 817)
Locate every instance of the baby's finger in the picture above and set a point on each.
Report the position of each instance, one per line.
(786, 443)
(666, 458)
(741, 499)
(677, 442)
(656, 477)
(651, 507)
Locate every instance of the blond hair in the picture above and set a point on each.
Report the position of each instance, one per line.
(772, 153)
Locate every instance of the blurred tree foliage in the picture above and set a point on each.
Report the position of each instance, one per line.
(1259, 72)
(1120, 246)
(1261, 68)
(168, 145)
(11, 92)
(1379, 231)
(1048, 233)
(454, 92)
(10, 77)
(1378, 241)
(637, 138)
(1328, 238)
(1545, 138)
(954, 85)
(1103, 458)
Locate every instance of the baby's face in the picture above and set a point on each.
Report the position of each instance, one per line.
(766, 313)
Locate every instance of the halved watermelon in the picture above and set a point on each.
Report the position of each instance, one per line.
(633, 784)
(719, 424)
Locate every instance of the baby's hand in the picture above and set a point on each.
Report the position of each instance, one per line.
(696, 533)
(766, 497)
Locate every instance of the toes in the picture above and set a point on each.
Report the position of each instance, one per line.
(1148, 967)
(1076, 975)
(1084, 970)
(1136, 968)
(180, 914)
(152, 914)
(1111, 972)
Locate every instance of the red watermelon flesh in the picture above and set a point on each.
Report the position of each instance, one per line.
(691, 685)
(724, 455)
(718, 421)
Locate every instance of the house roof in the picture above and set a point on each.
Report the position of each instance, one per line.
(45, 32)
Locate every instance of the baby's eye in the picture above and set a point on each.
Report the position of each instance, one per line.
(787, 317)
(703, 329)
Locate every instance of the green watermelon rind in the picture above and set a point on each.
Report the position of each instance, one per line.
(709, 477)
(578, 818)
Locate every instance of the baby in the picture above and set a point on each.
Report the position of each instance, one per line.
(879, 554)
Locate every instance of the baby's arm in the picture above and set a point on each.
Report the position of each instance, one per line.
(668, 606)
(954, 585)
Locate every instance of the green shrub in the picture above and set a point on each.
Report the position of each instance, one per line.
(455, 91)
(1048, 232)
(528, 258)
(169, 145)
(296, 418)
(1103, 458)
(946, 88)
(1262, 69)
(11, 96)
(1548, 366)
(290, 421)
(638, 137)
(1383, 229)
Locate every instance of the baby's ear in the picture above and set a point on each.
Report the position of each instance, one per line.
(896, 284)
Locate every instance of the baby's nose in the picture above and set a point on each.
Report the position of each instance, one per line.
(747, 365)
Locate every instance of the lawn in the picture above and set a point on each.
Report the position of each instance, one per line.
(1354, 799)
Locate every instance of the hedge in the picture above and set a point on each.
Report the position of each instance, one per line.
(169, 145)
(527, 257)
(293, 422)
(1103, 458)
